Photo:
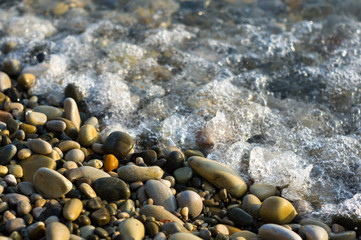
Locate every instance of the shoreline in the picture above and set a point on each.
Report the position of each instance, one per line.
(60, 179)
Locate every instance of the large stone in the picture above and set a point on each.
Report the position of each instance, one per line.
(50, 183)
(313, 232)
(71, 112)
(192, 201)
(131, 229)
(274, 231)
(262, 191)
(133, 173)
(219, 175)
(87, 135)
(93, 173)
(161, 194)
(159, 213)
(72, 209)
(57, 231)
(111, 189)
(277, 210)
(119, 144)
(5, 81)
(33, 163)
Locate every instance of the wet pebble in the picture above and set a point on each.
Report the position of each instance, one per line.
(88, 135)
(26, 80)
(262, 191)
(161, 194)
(119, 144)
(100, 217)
(111, 189)
(7, 153)
(277, 210)
(183, 174)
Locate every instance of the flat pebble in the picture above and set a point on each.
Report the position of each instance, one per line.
(57, 231)
(14, 198)
(15, 225)
(277, 210)
(50, 183)
(183, 174)
(40, 146)
(313, 232)
(274, 231)
(7, 153)
(93, 173)
(75, 155)
(192, 201)
(161, 194)
(262, 191)
(68, 145)
(88, 135)
(111, 189)
(131, 229)
(119, 144)
(72, 209)
(219, 175)
(56, 125)
(50, 111)
(33, 163)
(36, 118)
(133, 173)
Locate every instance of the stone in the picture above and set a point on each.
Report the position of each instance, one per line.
(12, 125)
(10, 180)
(173, 227)
(240, 217)
(75, 155)
(72, 209)
(119, 144)
(192, 201)
(28, 128)
(244, 234)
(313, 232)
(87, 190)
(50, 183)
(16, 170)
(26, 188)
(159, 213)
(36, 230)
(56, 125)
(68, 145)
(33, 163)
(36, 118)
(133, 173)
(96, 163)
(15, 225)
(251, 204)
(131, 229)
(347, 235)
(262, 191)
(7, 153)
(50, 111)
(274, 231)
(88, 135)
(161, 194)
(92, 173)
(23, 208)
(149, 156)
(100, 217)
(71, 112)
(71, 130)
(111, 189)
(277, 210)
(26, 80)
(24, 153)
(5, 81)
(40, 146)
(14, 198)
(184, 236)
(57, 231)
(86, 231)
(110, 163)
(183, 174)
(219, 175)
(4, 116)
(311, 221)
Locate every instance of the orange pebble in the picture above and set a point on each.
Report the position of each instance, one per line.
(110, 163)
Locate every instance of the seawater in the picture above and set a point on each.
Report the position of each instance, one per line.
(268, 87)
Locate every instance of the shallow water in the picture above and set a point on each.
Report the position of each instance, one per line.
(269, 87)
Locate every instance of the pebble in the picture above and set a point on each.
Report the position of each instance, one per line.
(313, 232)
(28, 128)
(24, 153)
(23, 208)
(262, 191)
(36, 230)
(158, 212)
(173, 227)
(26, 80)
(7, 153)
(5, 81)
(133, 173)
(149, 156)
(57, 231)
(347, 235)
(92, 173)
(40, 146)
(240, 217)
(56, 125)
(88, 135)
(68, 145)
(183, 174)
(274, 231)
(192, 201)
(33, 163)
(119, 144)
(219, 175)
(184, 236)
(71, 112)
(50, 183)
(14, 198)
(75, 155)
(72, 209)
(251, 204)
(86, 231)
(12, 125)
(100, 217)
(15, 225)
(110, 163)
(87, 190)
(244, 234)
(96, 163)
(26, 188)
(111, 189)
(10, 180)
(277, 210)
(16, 170)
(310, 221)
(131, 229)
(50, 111)
(161, 194)
(36, 118)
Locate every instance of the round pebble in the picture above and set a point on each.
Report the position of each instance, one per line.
(161, 194)
(131, 229)
(40, 146)
(68, 145)
(26, 80)
(192, 201)
(72, 209)
(262, 191)
(110, 163)
(273, 231)
(5, 81)
(36, 118)
(277, 210)
(183, 174)
(88, 135)
(57, 231)
(119, 144)
(313, 232)
(111, 189)
(75, 155)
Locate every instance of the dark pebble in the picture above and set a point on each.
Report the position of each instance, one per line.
(149, 156)
(175, 160)
(101, 232)
(111, 189)
(83, 220)
(100, 217)
(7, 153)
(240, 217)
(118, 144)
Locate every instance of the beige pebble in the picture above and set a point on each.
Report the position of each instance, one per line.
(24, 153)
(75, 155)
(36, 118)
(57, 231)
(87, 190)
(71, 112)
(68, 145)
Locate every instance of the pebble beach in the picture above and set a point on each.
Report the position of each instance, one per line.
(180, 120)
